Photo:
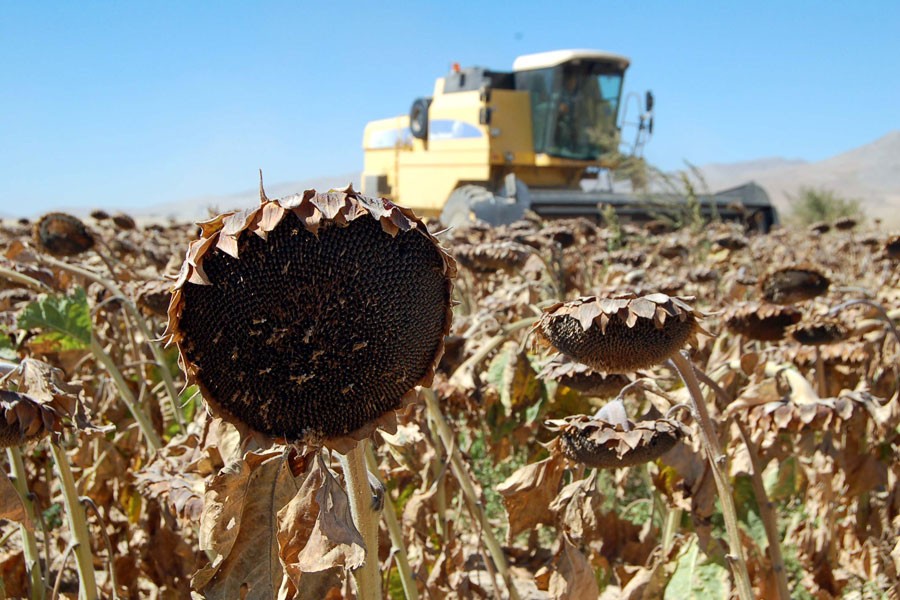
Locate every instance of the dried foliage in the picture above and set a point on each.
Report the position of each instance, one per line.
(507, 481)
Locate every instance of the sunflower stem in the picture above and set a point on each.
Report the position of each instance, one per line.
(393, 526)
(767, 513)
(717, 462)
(476, 507)
(81, 538)
(368, 576)
(29, 542)
(143, 421)
(821, 382)
(22, 279)
(141, 323)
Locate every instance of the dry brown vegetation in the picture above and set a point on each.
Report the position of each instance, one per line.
(520, 472)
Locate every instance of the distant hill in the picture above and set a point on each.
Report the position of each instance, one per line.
(870, 173)
(194, 209)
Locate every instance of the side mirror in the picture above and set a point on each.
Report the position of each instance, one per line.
(648, 101)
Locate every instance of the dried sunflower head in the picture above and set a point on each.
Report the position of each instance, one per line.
(24, 419)
(61, 234)
(659, 226)
(820, 227)
(892, 248)
(312, 317)
(581, 377)
(672, 250)
(489, 257)
(788, 285)
(763, 322)
(845, 223)
(611, 440)
(731, 241)
(619, 334)
(124, 222)
(819, 332)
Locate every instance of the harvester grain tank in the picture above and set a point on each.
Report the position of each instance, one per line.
(490, 145)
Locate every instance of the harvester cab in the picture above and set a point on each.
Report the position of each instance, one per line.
(490, 145)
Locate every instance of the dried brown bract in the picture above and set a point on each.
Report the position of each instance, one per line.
(99, 215)
(631, 258)
(314, 316)
(852, 354)
(793, 284)
(619, 334)
(492, 256)
(61, 234)
(820, 227)
(763, 322)
(597, 443)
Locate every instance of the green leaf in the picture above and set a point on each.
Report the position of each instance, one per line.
(696, 577)
(63, 320)
(515, 380)
(785, 481)
(7, 349)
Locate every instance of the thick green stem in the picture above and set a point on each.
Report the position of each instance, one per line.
(717, 464)
(476, 507)
(29, 542)
(670, 528)
(141, 323)
(395, 532)
(78, 528)
(368, 576)
(144, 422)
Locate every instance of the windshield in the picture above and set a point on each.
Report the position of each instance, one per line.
(574, 109)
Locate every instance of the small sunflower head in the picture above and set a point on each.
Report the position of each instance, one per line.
(789, 285)
(61, 234)
(763, 322)
(609, 439)
(619, 334)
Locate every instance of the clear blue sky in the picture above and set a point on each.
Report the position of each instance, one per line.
(136, 103)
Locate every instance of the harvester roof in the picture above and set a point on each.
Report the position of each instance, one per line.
(553, 58)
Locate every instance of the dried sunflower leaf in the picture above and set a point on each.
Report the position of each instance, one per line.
(528, 492)
(11, 506)
(239, 524)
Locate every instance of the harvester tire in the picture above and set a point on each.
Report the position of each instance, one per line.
(471, 204)
(418, 118)
(458, 211)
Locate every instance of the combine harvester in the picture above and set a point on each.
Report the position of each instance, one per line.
(489, 145)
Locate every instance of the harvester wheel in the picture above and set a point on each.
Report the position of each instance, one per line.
(458, 210)
(469, 204)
